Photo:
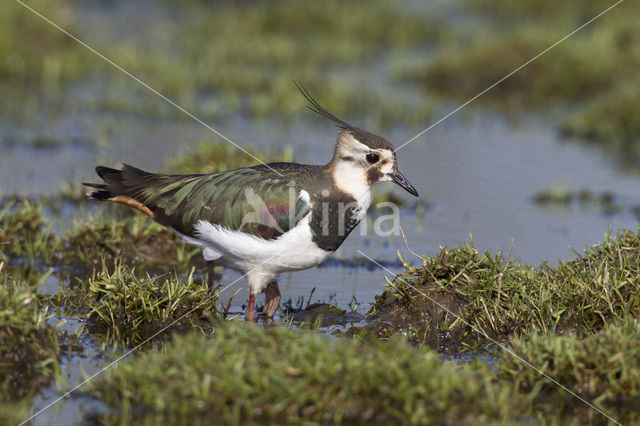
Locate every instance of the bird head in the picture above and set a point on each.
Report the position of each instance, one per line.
(367, 158)
(361, 159)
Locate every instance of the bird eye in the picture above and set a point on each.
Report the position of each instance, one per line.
(372, 158)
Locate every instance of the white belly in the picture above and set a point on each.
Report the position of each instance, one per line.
(294, 250)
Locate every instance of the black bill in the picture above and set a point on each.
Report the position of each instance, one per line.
(403, 182)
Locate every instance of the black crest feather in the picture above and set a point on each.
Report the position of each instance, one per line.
(318, 109)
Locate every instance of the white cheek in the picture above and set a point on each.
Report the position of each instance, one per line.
(387, 169)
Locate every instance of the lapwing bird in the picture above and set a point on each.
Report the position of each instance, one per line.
(267, 219)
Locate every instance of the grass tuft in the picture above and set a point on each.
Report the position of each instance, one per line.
(602, 368)
(28, 346)
(129, 307)
(134, 241)
(24, 232)
(138, 307)
(463, 295)
(247, 374)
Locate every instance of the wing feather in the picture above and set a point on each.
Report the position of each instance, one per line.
(251, 200)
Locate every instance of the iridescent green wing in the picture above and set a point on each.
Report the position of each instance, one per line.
(254, 201)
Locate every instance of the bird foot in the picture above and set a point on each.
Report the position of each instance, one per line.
(272, 302)
(250, 313)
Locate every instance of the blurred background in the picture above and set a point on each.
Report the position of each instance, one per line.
(547, 159)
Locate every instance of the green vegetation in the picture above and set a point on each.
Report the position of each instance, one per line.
(247, 374)
(220, 58)
(130, 307)
(33, 52)
(24, 233)
(594, 70)
(28, 346)
(14, 412)
(561, 197)
(464, 296)
(67, 195)
(134, 241)
(249, 55)
(574, 11)
(212, 157)
(547, 80)
(602, 367)
(612, 119)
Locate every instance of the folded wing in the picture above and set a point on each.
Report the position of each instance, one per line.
(253, 200)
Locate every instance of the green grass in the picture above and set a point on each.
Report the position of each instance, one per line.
(134, 240)
(211, 157)
(612, 119)
(575, 11)
(25, 233)
(33, 53)
(488, 296)
(602, 368)
(591, 76)
(561, 197)
(248, 374)
(28, 346)
(218, 59)
(242, 373)
(575, 70)
(15, 412)
(131, 307)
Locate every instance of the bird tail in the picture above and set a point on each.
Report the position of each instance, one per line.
(121, 186)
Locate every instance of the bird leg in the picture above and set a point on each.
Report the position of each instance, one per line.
(272, 293)
(128, 201)
(250, 313)
(210, 276)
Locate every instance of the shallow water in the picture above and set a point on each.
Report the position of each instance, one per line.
(477, 173)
